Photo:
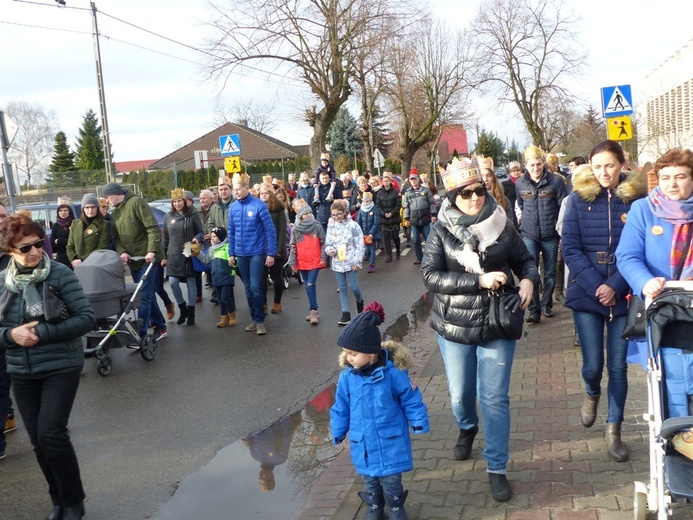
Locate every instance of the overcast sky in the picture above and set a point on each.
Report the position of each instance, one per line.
(159, 101)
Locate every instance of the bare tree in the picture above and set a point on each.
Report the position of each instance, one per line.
(431, 75)
(530, 50)
(255, 114)
(33, 144)
(314, 39)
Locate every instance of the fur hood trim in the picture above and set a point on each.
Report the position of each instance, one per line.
(631, 186)
(396, 352)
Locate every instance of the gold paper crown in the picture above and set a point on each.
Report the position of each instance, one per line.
(178, 193)
(461, 172)
(485, 162)
(533, 152)
(552, 158)
(242, 179)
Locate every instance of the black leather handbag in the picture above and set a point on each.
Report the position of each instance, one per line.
(636, 319)
(506, 316)
(54, 309)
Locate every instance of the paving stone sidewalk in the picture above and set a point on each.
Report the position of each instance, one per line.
(558, 469)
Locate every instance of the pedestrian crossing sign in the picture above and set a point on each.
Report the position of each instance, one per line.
(230, 145)
(617, 101)
(619, 128)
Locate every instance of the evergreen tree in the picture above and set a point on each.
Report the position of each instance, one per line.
(90, 144)
(343, 135)
(63, 158)
(489, 145)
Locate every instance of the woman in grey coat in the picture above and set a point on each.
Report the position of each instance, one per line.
(182, 224)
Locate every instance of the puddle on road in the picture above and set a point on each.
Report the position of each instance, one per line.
(268, 475)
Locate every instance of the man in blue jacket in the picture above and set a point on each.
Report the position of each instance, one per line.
(539, 197)
(252, 245)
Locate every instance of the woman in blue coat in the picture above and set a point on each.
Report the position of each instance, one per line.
(594, 219)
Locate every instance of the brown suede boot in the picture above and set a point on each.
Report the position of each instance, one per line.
(276, 308)
(224, 321)
(232, 319)
(588, 412)
(617, 448)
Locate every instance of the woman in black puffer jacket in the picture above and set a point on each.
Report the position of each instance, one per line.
(473, 248)
(389, 202)
(44, 358)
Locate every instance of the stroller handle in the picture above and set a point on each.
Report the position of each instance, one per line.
(686, 285)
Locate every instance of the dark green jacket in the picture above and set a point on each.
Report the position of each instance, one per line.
(60, 345)
(135, 230)
(84, 240)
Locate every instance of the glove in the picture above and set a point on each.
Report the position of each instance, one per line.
(514, 303)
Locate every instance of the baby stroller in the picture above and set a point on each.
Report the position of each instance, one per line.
(115, 305)
(288, 274)
(669, 326)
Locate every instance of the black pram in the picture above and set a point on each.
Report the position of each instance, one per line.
(115, 304)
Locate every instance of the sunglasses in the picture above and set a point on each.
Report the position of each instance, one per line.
(27, 247)
(467, 194)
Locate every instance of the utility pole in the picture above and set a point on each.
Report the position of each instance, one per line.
(5, 142)
(110, 177)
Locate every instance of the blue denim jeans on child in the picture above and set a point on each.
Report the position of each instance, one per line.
(252, 269)
(227, 300)
(310, 278)
(484, 368)
(390, 485)
(353, 278)
(590, 329)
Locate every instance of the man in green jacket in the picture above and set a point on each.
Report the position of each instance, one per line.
(136, 233)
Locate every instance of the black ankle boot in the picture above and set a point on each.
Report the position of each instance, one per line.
(183, 313)
(191, 315)
(463, 448)
(75, 512)
(500, 487)
(56, 514)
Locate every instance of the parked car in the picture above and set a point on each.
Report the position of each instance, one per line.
(501, 173)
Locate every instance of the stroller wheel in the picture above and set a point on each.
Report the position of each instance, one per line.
(104, 366)
(286, 274)
(640, 502)
(148, 347)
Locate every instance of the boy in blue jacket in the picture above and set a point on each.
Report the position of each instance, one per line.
(375, 403)
(223, 276)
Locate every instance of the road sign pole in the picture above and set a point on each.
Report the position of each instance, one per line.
(9, 181)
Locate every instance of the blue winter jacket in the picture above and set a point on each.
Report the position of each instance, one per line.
(592, 227)
(369, 221)
(375, 409)
(540, 203)
(250, 229)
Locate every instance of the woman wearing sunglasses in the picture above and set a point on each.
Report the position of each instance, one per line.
(473, 248)
(44, 358)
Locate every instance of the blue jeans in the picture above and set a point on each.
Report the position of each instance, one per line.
(252, 269)
(353, 277)
(416, 231)
(5, 400)
(191, 284)
(390, 485)
(590, 328)
(370, 251)
(310, 278)
(227, 300)
(149, 307)
(549, 251)
(45, 402)
(483, 372)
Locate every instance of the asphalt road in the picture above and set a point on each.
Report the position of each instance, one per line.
(145, 427)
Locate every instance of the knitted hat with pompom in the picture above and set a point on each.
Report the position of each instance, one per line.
(363, 334)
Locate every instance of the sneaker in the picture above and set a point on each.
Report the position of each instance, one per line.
(260, 329)
(371, 268)
(309, 315)
(10, 423)
(252, 327)
(345, 320)
(160, 334)
(417, 262)
(314, 317)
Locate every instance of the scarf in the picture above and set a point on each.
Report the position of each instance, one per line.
(308, 226)
(476, 232)
(367, 206)
(680, 214)
(65, 222)
(24, 283)
(214, 247)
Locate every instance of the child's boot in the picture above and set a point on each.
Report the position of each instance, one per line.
(375, 503)
(395, 506)
(224, 321)
(232, 318)
(183, 313)
(191, 316)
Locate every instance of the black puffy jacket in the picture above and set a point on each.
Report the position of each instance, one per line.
(389, 201)
(460, 307)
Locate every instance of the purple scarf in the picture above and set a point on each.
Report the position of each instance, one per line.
(679, 213)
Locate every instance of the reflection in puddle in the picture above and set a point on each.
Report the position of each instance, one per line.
(266, 476)
(269, 475)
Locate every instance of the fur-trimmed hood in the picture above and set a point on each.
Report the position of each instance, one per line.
(396, 352)
(631, 185)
